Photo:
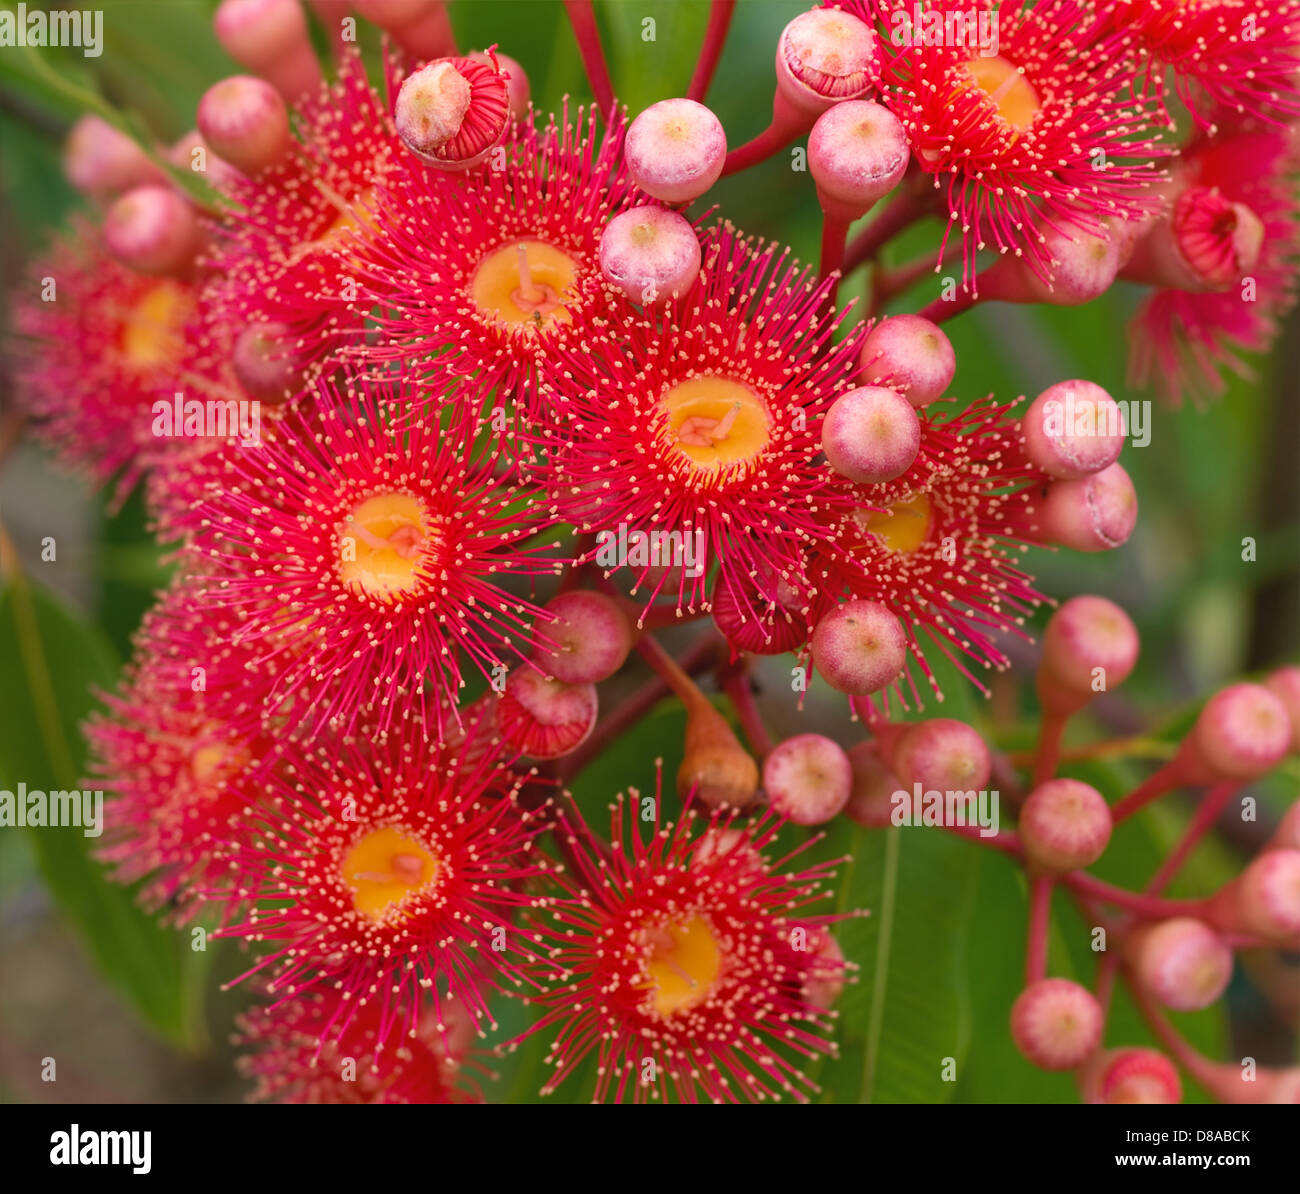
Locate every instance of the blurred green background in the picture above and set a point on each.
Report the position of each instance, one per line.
(131, 1013)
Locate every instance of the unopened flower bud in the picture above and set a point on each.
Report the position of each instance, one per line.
(808, 779)
(857, 153)
(910, 354)
(269, 38)
(1056, 1024)
(245, 121)
(588, 640)
(675, 150)
(871, 803)
(871, 434)
(1181, 962)
(942, 755)
(153, 230)
(859, 647)
(1242, 732)
(1093, 513)
(650, 253)
(1073, 429)
(102, 162)
(1090, 646)
(1064, 825)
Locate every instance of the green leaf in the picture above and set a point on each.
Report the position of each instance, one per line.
(55, 661)
(911, 1008)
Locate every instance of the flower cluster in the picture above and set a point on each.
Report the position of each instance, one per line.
(448, 405)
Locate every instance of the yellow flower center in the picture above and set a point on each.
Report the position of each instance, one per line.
(382, 545)
(386, 866)
(716, 423)
(904, 526)
(1014, 98)
(151, 331)
(525, 284)
(682, 965)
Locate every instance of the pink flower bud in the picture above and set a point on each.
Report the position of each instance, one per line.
(911, 355)
(545, 718)
(675, 150)
(1131, 1075)
(245, 121)
(650, 253)
(269, 38)
(1094, 513)
(808, 779)
(102, 162)
(1285, 685)
(1182, 962)
(824, 56)
(588, 641)
(1073, 429)
(859, 647)
(1264, 899)
(857, 153)
(153, 230)
(1064, 825)
(1056, 1024)
(453, 112)
(942, 755)
(265, 364)
(1242, 732)
(1090, 646)
(871, 803)
(871, 434)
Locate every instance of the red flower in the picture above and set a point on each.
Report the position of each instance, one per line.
(291, 1059)
(1238, 56)
(97, 342)
(700, 425)
(488, 272)
(683, 968)
(1045, 131)
(378, 869)
(365, 561)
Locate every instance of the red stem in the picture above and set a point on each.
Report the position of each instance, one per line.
(1040, 911)
(698, 658)
(899, 213)
(715, 36)
(737, 687)
(583, 19)
(1206, 814)
(1145, 906)
(888, 284)
(1168, 775)
(945, 308)
(835, 231)
(1048, 754)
